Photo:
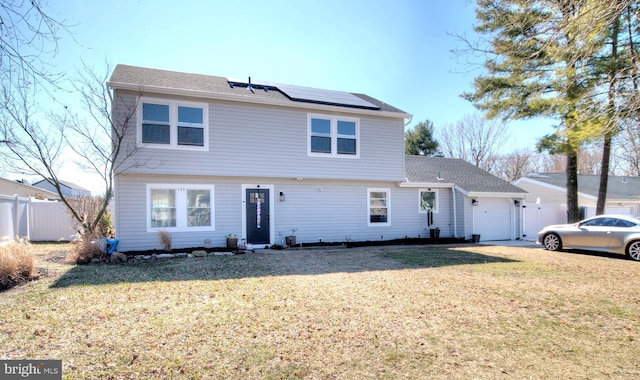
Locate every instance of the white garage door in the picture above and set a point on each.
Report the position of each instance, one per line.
(492, 219)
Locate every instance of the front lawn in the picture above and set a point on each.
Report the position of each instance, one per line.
(374, 312)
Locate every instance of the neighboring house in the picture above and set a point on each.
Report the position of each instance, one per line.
(10, 187)
(216, 156)
(471, 200)
(68, 189)
(32, 213)
(547, 198)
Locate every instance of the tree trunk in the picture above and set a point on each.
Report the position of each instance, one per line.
(612, 125)
(573, 213)
(604, 174)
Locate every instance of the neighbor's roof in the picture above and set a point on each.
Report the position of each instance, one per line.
(456, 171)
(618, 187)
(68, 184)
(9, 187)
(208, 86)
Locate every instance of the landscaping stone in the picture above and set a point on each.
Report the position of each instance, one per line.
(118, 257)
(199, 253)
(166, 256)
(181, 255)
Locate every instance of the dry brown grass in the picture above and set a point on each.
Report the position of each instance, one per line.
(86, 249)
(16, 264)
(422, 312)
(165, 240)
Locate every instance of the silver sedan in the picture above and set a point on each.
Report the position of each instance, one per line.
(608, 233)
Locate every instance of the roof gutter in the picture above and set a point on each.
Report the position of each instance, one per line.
(246, 99)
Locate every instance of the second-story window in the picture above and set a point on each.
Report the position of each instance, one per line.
(155, 124)
(172, 124)
(190, 126)
(333, 136)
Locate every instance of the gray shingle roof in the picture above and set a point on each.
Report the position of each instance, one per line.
(457, 171)
(618, 187)
(205, 84)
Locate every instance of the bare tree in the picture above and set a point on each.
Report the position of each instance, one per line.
(627, 153)
(552, 163)
(474, 139)
(590, 159)
(96, 145)
(29, 37)
(515, 165)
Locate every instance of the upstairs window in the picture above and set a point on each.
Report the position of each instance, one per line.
(333, 136)
(156, 128)
(172, 124)
(320, 135)
(347, 137)
(190, 126)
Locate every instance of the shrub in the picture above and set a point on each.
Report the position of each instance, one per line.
(105, 225)
(165, 240)
(16, 264)
(87, 248)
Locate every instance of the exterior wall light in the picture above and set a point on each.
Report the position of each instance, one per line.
(281, 196)
(474, 202)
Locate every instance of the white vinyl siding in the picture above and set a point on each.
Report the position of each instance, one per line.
(332, 211)
(260, 140)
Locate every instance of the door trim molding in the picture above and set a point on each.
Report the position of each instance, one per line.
(243, 196)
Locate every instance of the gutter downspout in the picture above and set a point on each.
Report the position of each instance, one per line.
(455, 219)
(404, 159)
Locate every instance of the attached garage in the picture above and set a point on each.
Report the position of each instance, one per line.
(493, 218)
(482, 204)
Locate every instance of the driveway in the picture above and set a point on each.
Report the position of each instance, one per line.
(512, 243)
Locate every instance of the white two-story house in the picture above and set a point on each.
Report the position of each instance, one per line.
(214, 156)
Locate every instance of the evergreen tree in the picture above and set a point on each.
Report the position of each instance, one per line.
(540, 56)
(419, 141)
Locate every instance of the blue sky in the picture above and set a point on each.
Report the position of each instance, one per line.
(397, 51)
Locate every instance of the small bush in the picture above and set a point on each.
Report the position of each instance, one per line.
(105, 225)
(165, 240)
(87, 248)
(16, 264)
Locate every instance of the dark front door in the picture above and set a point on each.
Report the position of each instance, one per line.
(257, 201)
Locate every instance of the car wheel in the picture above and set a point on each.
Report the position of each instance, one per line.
(633, 250)
(552, 242)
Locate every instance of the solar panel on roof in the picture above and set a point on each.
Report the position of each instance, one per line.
(315, 95)
(308, 94)
(253, 82)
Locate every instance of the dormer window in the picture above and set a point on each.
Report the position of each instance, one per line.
(172, 124)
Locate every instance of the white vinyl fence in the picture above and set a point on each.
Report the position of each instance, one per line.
(35, 220)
